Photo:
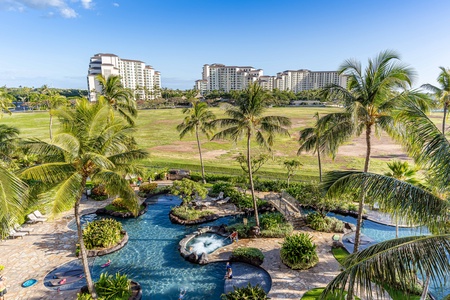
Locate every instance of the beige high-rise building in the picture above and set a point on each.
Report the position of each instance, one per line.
(226, 78)
(142, 79)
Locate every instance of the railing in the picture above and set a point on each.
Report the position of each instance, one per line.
(285, 204)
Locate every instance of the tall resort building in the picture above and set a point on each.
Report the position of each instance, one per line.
(226, 78)
(142, 79)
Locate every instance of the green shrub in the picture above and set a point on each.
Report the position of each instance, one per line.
(270, 185)
(119, 203)
(249, 292)
(196, 176)
(99, 193)
(326, 224)
(281, 231)
(271, 220)
(299, 252)
(110, 287)
(237, 198)
(84, 296)
(148, 187)
(102, 233)
(189, 214)
(247, 254)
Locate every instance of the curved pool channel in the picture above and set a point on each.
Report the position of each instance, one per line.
(377, 232)
(151, 256)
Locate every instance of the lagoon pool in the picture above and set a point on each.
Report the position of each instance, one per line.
(151, 256)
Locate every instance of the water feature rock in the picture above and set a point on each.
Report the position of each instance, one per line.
(193, 258)
(254, 231)
(349, 227)
(203, 259)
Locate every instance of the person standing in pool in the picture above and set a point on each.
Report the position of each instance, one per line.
(2, 287)
(229, 274)
(182, 294)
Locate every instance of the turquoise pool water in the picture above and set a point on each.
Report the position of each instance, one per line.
(379, 233)
(151, 256)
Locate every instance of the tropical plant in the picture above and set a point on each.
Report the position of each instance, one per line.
(8, 143)
(247, 119)
(148, 187)
(5, 101)
(13, 200)
(370, 97)
(325, 137)
(114, 287)
(89, 145)
(187, 189)
(198, 118)
(298, 252)
(117, 97)
(102, 233)
(291, 165)
(248, 292)
(247, 254)
(427, 256)
(401, 171)
(323, 223)
(52, 100)
(189, 213)
(442, 93)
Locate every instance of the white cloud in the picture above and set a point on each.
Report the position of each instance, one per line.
(87, 4)
(115, 4)
(61, 6)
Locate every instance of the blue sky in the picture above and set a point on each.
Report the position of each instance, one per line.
(51, 41)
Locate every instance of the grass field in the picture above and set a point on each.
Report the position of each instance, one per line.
(156, 132)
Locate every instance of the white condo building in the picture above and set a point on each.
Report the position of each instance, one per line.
(134, 74)
(226, 78)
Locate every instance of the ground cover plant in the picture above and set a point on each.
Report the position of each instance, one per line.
(189, 213)
(116, 287)
(249, 292)
(318, 222)
(253, 256)
(102, 233)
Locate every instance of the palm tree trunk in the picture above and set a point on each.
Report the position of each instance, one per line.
(250, 175)
(320, 165)
(445, 116)
(50, 127)
(83, 252)
(361, 201)
(200, 153)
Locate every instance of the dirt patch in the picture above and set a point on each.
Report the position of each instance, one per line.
(214, 154)
(179, 146)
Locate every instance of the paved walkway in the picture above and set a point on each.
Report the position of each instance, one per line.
(49, 245)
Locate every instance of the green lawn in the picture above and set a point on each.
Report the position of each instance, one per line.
(340, 254)
(314, 294)
(156, 132)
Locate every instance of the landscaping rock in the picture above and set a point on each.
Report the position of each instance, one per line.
(203, 259)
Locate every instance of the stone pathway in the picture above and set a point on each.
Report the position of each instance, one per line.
(287, 283)
(50, 244)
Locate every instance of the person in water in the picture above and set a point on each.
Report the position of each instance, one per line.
(229, 274)
(106, 264)
(182, 294)
(228, 265)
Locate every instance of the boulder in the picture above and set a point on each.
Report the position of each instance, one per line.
(203, 259)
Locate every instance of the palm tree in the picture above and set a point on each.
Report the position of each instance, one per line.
(442, 93)
(119, 98)
(370, 97)
(90, 145)
(52, 100)
(401, 171)
(198, 118)
(248, 119)
(5, 101)
(328, 133)
(13, 196)
(427, 255)
(8, 143)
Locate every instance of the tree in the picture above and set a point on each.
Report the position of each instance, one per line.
(370, 97)
(90, 145)
(13, 200)
(401, 171)
(198, 118)
(442, 92)
(51, 99)
(8, 143)
(291, 165)
(5, 101)
(392, 261)
(117, 97)
(187, 189)
(248, 119)
(328, 133)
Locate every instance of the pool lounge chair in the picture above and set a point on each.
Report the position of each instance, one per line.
(33, 219)
(15, 234)
(39, 215)
(19, 228)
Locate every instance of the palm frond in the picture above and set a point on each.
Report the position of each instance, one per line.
(49, 173)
